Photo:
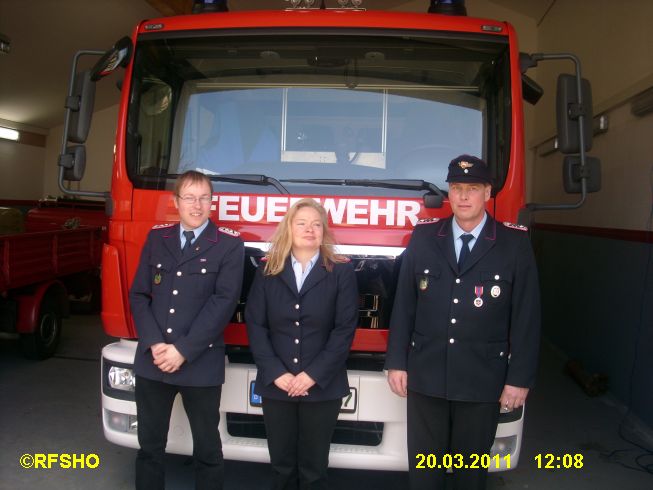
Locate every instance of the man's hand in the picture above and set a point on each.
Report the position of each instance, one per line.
(157, 349)
(300, 385)
(283, 381)
(398, 381)
(512, 397)
(167, 358)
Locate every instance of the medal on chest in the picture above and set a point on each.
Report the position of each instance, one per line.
(424, 281)
(478, 291)
(157, 278)
(495, 291)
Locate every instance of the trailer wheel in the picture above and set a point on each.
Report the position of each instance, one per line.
(42, 343)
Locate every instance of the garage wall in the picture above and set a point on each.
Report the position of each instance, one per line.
(618, 63)
(21, 171)
(595, 262)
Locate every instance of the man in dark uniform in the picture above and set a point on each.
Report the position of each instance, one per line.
(184, 293)
(465, 327)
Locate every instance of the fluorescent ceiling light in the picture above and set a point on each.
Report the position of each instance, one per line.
(9, 134)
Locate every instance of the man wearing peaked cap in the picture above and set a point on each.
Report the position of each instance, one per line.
(465, 327)
(466, 168)
(183, 295)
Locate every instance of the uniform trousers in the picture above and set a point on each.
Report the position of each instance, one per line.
(154, 400)
(438, 426)
(299, 435)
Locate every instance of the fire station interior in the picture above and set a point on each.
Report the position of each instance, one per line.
(594, 394)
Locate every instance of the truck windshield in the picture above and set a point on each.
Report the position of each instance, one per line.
(306, 107)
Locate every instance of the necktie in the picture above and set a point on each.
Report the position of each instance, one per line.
(190, 235)
(464, 251)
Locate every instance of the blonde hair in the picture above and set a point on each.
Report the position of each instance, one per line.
(281, 241)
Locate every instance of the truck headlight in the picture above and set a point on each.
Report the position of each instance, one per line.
(118, 380)
(121, 378)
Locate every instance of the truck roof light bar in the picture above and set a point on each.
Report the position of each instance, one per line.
(209, 6)
(448, 7)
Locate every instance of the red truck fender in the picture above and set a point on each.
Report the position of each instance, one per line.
(40, 318)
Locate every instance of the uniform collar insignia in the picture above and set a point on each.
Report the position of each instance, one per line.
(228, 231)
(514, 226)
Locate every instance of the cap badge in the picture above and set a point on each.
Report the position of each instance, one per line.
(465, 165)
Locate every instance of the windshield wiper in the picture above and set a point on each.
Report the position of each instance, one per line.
(432, 200)
(254, 179)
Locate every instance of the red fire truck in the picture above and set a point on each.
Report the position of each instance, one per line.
(360, 110)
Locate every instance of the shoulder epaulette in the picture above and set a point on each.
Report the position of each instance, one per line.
(425, 221)
(514, 226)
(228, 231)
(164, 225)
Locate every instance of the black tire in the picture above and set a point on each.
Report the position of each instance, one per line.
(43, 342)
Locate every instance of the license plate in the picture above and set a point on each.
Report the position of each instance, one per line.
(349, 402)
(254, 399)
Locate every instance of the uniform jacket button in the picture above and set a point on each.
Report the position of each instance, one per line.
(455, 300)
(295, 360)
(210, 345)
(178, 273)
(172, 310)
(451, 341)
(453, 320)
(203, 271)
(296, 341)
(457, 281)
(158, 266)
(297, 324)
(175, 292)
(297, 306)
(169, 330)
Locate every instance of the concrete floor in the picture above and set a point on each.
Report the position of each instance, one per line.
(53, 406)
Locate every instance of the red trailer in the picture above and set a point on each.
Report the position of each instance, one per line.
(39, 272)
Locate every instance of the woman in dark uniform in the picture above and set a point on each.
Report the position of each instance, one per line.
(302, 311)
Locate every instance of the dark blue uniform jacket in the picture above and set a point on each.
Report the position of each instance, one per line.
(186, 300)
(311, 330)
(451, 347)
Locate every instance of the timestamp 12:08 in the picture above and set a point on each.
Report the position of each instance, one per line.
(550, 461)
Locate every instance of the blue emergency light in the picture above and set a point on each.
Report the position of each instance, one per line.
(205, 6)
(448, 7)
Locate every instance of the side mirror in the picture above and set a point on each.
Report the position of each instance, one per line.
(568, 110)
(118, 55)
(432, 201)
(73, 163)
(572, 173)
(81, 104)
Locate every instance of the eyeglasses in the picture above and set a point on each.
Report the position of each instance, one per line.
(190, 200)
